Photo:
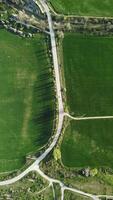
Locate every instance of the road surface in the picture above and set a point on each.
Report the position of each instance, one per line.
(87, 118)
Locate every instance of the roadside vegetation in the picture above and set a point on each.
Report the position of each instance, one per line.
(87, 7)
(99, 183)
(29, 187)
(27, 100)
(6, 11)
(57, 190)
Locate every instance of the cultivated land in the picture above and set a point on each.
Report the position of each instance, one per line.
(89, 82)
(88, 73)
(26, 98)
(87, 7)
(88, 143)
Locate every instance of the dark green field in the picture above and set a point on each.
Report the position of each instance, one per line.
(88, 143)
(88, 69)
(84, 7)
(26, 98)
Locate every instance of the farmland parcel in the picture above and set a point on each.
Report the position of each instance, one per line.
(26, 98)
(88, 71)
(88, 143)
(88, 74)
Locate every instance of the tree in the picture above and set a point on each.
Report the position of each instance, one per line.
(93, 172)
(57, 154)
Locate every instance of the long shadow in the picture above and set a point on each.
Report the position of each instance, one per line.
(45, 100)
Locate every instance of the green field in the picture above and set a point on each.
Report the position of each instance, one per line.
(88, 143)
(84, 7)
(26, 98)
(88, 69)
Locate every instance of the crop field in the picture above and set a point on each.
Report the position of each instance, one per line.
(89, 89)
(88, 143)
(88, 72)
(87, 7)
(26, 98)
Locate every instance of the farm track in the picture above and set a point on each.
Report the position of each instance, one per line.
(87, 118)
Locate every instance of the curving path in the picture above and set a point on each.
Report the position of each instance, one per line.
(61, 114)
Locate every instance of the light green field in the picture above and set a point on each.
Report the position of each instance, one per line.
(84, 7)
(88, 143)
(26, 98)
(88, 73)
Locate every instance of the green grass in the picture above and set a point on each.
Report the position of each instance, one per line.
(88, 72)
(26, 98)
(86, 7)
(88, 143)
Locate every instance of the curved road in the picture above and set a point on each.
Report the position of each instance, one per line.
(61, 114)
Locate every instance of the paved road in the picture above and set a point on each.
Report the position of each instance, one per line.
(87, 118)
(61, 114)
